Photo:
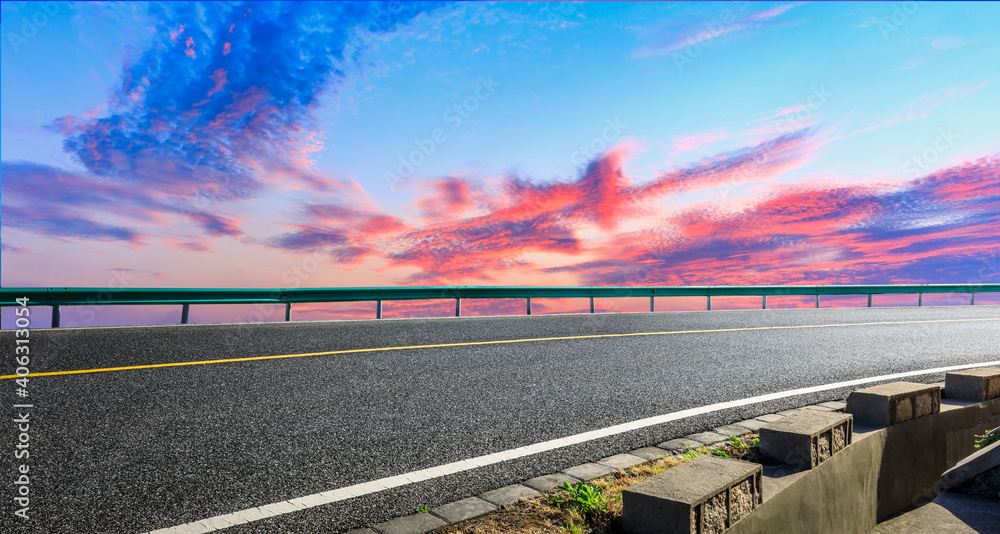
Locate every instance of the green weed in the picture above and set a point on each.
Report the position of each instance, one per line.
(985, 440)
(585, 499)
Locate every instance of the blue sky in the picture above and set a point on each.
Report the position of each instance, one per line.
(218, 144)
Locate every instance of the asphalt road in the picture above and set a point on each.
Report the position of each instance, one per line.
(134, 450)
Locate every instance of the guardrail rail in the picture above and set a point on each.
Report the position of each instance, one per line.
(85, 296)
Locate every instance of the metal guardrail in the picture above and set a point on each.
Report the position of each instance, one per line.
(83, 296)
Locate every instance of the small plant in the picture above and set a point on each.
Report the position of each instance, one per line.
(585, 499)
(987, 439)
(422, 510)
(691, 454)
(720, 452)
(572, 528)
(743, 444)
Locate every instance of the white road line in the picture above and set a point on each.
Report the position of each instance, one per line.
(212, 524)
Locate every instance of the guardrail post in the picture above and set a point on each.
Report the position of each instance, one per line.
(708, 305)
(817, 300)
(378, 309)
(920, 299)
(529, 305)
(652, 306)
(763, 304)
(591, 304)
(184, 313)
(869, 300)
(288, 311)
(458, 307)
(972, 301)
(55, 316)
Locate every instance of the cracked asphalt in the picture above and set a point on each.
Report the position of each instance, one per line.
(139, 449)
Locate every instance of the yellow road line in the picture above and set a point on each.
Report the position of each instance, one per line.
(496, 342)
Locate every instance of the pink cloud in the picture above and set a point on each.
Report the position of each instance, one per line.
(219, 77)
(698, 142)
(721, 25)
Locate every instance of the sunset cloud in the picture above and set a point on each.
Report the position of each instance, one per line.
(225, 143)
(732, 22)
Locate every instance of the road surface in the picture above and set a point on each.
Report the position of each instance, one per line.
(132, 445)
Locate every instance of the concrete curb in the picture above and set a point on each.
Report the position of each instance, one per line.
(876, 499)
(489, 501)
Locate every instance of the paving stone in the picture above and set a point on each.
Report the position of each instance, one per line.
(769, 418)
(835, 405)
(463, 510)
(818, 408)
(588, 471)
(680, 445)
(361, 531)
(752, 425)
(549, 482)
(708, 438)
(789, 412)
(731, 430)
(411, 524)
(621, 461)
(649, 453)
(508, 494)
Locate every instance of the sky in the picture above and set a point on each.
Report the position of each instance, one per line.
(281, 144)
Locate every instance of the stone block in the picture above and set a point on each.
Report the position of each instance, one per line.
(731, 430)
(977, 385)
(893, 403)
(508, 494)
(463, 510)
(411, 524)
(751, 425)
(707, 438)
(680, 445)
(550, 482)
(808, 438)
(621, 461)
(706, 495)
(649, 453)
(588, 471)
